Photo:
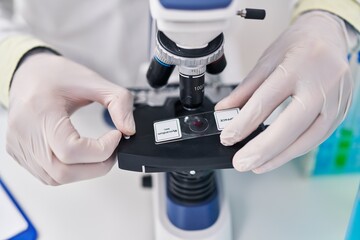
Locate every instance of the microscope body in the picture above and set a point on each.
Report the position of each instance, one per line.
(189, 202)
(192, 24)
(189, 35)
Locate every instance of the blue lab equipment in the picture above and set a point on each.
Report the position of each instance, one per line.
(340, 153)
(30, 232)
(353, 232)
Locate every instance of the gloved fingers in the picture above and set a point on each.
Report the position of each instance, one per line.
(67, 173)
(325, 124)
(262, 103)
(37, 158)
(118, 100)
(40, 173)
(54, 172)
(289, 125)
(23, 160)
(240, 95)
(345, 94)
(121, 112)
(91, 87)
(70, 148)
(319, 131)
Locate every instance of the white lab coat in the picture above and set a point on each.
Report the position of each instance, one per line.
(111, 36)
(107, 36)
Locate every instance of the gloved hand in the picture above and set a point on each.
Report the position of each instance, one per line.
(45, 91)
(308, 63)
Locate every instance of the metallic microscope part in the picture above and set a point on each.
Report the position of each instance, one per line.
(170, 58)
(251, 13)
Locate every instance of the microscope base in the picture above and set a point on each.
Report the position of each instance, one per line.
(165, 230)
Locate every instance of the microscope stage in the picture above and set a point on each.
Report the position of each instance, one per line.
(141, 154)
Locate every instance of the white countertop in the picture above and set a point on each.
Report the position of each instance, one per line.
(282, 204)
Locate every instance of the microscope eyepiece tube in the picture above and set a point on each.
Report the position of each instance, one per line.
(192, 90)
(158, 73)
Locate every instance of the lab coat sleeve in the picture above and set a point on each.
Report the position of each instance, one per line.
(349, 10)
(13, 46)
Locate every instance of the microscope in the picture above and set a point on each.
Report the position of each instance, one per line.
(189, 201)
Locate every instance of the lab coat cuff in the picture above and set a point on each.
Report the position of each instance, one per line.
(12, 51)
(348, 10)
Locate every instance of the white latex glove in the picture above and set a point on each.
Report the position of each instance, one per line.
(45, 91)
(308, 63)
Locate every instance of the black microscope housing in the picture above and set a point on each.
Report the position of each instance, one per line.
(141, 154)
